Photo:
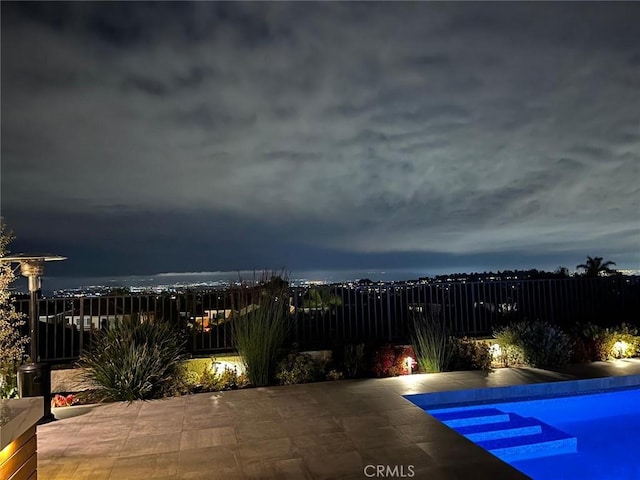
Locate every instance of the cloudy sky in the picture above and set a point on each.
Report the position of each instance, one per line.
(146, 138)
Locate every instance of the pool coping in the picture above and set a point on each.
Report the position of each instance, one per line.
(515, 393)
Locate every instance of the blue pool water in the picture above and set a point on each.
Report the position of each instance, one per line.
(585, 437)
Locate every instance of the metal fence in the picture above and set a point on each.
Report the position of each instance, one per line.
(328, 315)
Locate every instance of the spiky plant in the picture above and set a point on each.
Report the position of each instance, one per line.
(135, 360)
(260, 328)
(430, 343)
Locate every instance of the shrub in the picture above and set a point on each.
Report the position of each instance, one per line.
(8, 379)
(540, 344)
(321, 298)
(467, 354)
(228, 379)
(215, 380)
(243, 380)
(260, 328)
(353, 359)
(205, 375)
(12, 343)
(191, 377)
(334, 374)
(297, 368)
(510, 355)
(135, 360)
(390, 361)
(626, 342)
(430, 343)
(594, 343)
(384, 362)
(509, 340)
(588, 343)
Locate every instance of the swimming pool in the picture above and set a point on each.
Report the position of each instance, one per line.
(593, 436)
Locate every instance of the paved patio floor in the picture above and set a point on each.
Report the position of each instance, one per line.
(328, 430)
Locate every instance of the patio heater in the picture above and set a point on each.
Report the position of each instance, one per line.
(34, 378)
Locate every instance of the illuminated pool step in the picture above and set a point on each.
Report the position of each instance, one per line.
(550, 441)
(508, 436)
(517, 426)
(478, 416)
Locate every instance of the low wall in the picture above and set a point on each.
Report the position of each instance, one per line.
(68, 380)
(71, 379)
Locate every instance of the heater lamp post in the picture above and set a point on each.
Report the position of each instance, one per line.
(32, 267)
(34, 378)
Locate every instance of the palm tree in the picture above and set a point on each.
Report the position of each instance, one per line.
(594, 267)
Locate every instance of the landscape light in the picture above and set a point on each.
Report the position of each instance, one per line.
(409, 362)
(620, 348)
(496, 351)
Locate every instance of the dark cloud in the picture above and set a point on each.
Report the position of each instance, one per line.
(308, 134)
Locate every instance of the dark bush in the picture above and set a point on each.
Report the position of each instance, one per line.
(589, 343)
(8, 379)
(135, 360)
(334, 374)
(540, 344)
(594, 343)
(297, 368)
(351, 360)
(467, 354)
(391, 361)
(354, 362)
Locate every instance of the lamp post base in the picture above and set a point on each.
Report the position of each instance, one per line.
(34, 380)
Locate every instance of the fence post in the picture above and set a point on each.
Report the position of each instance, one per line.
(389, 310)
(550, 287)
(296, 307)
(473, 306)
(81, 328)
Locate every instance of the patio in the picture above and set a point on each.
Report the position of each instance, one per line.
(328, 430)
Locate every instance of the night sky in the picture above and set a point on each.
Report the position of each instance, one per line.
(144, 138)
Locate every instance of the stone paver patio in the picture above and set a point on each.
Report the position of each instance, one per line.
(328, 430)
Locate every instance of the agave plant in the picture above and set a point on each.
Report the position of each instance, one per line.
(135, 360)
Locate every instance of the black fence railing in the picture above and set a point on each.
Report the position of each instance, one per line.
(327, 315)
